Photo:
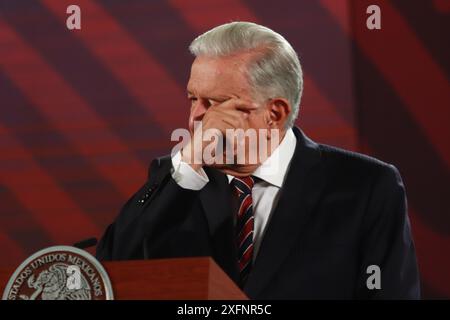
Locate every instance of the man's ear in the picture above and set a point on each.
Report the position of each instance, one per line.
(279, 111)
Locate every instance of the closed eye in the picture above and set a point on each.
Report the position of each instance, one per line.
(216, 101)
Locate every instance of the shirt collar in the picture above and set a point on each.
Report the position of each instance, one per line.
(274, 169)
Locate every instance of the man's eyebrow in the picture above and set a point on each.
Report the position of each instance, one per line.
(219, 98)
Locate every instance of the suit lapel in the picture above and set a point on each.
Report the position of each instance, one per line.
(301, 190)
(216, 201)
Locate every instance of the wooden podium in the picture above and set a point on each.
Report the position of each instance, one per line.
(167, 279)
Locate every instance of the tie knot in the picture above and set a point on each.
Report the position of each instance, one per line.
(243, 184)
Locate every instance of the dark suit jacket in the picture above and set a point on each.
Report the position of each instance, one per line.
(338, 213)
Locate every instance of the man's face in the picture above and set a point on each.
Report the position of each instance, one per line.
(222, 98)
(214, 80)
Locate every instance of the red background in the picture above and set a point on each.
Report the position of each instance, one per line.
(83, 112)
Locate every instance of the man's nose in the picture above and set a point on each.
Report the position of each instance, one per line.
(198, 111)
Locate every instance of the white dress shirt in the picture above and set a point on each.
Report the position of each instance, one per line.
(265, 192)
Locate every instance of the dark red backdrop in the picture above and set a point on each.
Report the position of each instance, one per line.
(83, 112)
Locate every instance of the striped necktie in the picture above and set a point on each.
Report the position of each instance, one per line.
(244, 225)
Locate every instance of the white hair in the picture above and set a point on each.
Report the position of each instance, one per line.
(276, 72)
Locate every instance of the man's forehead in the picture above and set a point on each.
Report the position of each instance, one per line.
(217, 74)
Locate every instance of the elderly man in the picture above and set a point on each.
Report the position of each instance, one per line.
(304, 221)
